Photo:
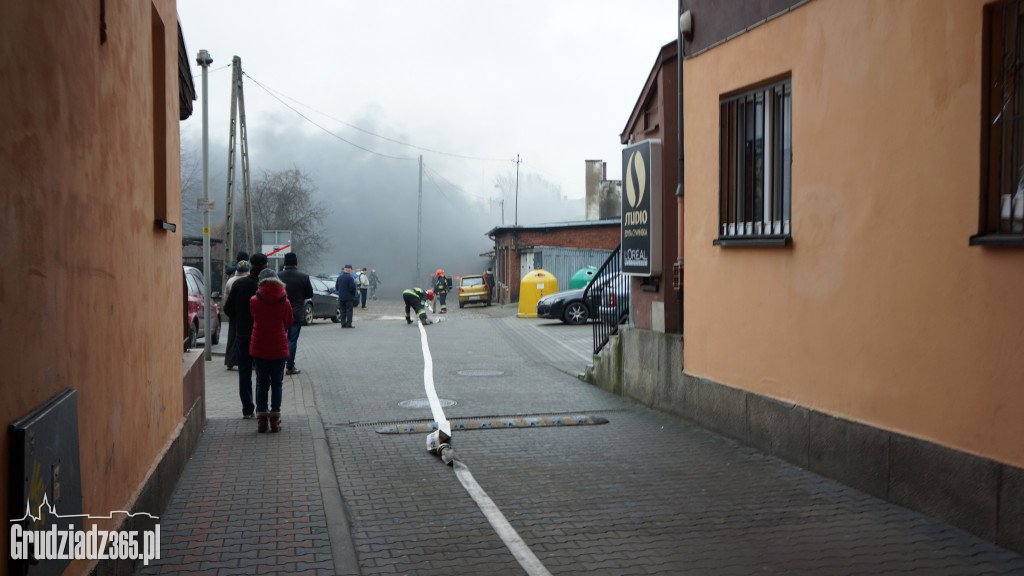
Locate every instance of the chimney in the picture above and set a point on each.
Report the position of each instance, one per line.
(596, 170)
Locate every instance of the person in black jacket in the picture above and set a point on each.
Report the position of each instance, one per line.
(345, 288)
(237, 309)
(299, 289)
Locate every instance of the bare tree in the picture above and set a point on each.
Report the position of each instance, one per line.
(191, 191)
(285, 201)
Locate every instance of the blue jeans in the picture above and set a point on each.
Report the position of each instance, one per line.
(244, 374)
(269, 378)
(293, 343)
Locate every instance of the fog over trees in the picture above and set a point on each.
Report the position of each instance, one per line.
(366, 203)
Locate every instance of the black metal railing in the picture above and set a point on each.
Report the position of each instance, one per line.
(607, 295)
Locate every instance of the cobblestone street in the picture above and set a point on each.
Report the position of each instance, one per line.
(641, 494)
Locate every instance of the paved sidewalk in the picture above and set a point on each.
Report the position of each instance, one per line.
(251, 503)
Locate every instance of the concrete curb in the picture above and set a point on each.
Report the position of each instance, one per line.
(338, 529)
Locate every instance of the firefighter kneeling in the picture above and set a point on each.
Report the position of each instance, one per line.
(416, 299)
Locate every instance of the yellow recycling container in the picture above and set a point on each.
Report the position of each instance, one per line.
(534, 285)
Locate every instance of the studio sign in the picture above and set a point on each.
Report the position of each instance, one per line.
(641, 208)
(636, 185)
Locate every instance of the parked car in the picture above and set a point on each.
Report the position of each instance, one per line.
(567, 306)
(196, 288)
(610, 293)
(473, 289)
(323, 304)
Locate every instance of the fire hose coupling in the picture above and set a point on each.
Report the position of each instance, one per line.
(447, 454)
(438, 444)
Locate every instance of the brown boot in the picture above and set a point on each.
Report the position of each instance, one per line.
(275, 421)
(261, 422)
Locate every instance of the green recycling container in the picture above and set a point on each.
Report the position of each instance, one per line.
(582, 277)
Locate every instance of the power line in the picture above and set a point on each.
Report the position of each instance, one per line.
(308, 119)
(447, 181)
(438, 188)
(553, 179)
(224, 67)
(278, 94)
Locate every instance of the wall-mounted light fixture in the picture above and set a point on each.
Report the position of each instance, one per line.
(686, 25)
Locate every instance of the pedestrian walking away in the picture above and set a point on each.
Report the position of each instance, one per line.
(375, 281)
(238, 310)
(272, 316)
(416, 300)
(345, 288)
(442, 285)
(364, 286)
(241, 268)
(299, 290)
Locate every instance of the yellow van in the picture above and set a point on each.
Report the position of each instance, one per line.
(473, 289)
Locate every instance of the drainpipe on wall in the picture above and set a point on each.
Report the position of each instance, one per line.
(677, 268)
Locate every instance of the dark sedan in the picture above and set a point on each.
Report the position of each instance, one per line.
(567, 306)
(324, 303)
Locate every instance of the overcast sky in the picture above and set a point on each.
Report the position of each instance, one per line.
(469, 84)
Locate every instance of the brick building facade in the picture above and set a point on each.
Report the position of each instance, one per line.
(515, 245)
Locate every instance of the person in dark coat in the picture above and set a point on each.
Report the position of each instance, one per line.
(241, 269)
(345, 288)
(299, 289)
(271, 317)
(237, 309)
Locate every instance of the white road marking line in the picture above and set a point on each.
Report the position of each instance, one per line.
(515, 544)
(527, 559)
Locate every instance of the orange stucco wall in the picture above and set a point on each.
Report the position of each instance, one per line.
(880, 311)
(91, 291)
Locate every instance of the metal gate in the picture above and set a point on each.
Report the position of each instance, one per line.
(561, 262)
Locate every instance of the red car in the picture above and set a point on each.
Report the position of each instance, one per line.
(196, 294)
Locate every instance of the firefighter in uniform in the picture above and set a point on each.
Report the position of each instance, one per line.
(442, 285)
(416, 299)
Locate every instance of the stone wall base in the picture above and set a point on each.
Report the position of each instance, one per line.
(979, 495)
(159, 487)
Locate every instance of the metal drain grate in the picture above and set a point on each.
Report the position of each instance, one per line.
(424, 403)
(480, 373)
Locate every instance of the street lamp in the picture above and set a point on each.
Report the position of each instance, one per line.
(204, 60)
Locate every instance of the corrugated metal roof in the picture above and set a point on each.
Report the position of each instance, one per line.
(186, 88)
(576, 224)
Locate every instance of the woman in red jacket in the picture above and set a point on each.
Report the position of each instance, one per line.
(271, 316)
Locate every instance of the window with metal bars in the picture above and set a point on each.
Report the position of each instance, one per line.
(1001, 221)
(755, 166)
